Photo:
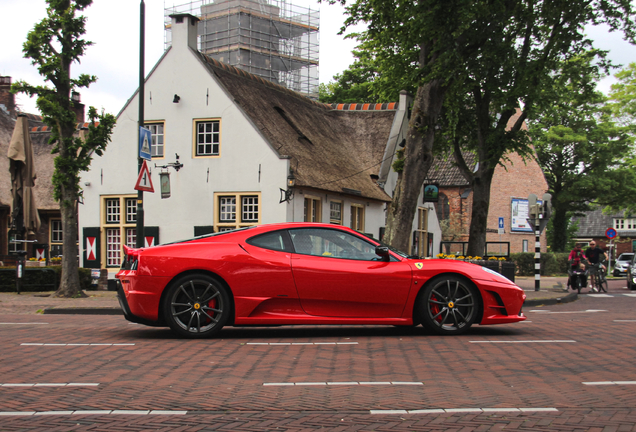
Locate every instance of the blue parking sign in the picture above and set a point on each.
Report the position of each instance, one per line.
(145, 140)
(501, 222)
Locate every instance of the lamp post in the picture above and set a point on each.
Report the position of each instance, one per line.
(139, 229)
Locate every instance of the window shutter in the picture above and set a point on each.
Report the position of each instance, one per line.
(151, 235)
(91, 251)
(203, 230)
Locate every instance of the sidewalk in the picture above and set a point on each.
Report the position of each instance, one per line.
(106, 303)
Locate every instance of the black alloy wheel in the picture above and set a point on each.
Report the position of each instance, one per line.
(196, 306)
(449, 305)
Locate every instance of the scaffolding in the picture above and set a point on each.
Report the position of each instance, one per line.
(273, 39)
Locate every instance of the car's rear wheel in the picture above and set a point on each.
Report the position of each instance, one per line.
(449, 305)
(196, 306)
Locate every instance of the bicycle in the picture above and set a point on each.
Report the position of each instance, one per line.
(598, 274)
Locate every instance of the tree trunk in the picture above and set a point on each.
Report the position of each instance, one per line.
(69, 281)
(560, 222)
(418, 158)
(479, 215)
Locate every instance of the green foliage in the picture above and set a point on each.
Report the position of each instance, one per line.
(54, 45)
(551, 263)
(582, 151)
(494, 60)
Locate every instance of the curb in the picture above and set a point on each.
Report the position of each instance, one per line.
(83, 311)
(552, 301)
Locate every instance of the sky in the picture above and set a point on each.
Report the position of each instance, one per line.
(113, 27)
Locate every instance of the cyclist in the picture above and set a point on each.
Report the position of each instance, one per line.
(577, 268)
(595, 256)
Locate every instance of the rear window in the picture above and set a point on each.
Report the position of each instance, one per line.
(272, 240)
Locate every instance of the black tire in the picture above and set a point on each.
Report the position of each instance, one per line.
(602, 286)
(449, 305)
(196, 306)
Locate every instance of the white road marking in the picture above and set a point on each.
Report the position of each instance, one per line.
(600, 295)
(93, 412)
(526, 341)
(24, 323)
(624, 320)
(301, 343)
(566, 312)
(75, 344)
(598, 383)
(344, 383)
(463, 410)
(49, 385)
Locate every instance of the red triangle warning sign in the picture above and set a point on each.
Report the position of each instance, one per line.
(144, 182)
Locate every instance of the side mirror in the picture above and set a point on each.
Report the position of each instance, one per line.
(382, 251)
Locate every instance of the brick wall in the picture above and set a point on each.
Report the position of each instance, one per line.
(517, 180)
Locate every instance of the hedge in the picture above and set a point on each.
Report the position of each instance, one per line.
(40, 279)
(551, 263)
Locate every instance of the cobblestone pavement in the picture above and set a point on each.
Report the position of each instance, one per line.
(570, 367)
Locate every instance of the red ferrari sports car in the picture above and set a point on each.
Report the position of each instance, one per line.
(306, 273)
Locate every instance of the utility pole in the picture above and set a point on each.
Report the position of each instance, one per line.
(140, 194)
(539, 213)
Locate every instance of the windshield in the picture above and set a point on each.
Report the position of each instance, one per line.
(625, 257)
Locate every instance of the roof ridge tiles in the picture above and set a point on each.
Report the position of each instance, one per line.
(390, 106)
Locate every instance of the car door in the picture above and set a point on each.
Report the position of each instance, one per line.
(338, 274)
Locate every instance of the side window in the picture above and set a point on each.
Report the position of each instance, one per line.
(332, 244)
(273, 241)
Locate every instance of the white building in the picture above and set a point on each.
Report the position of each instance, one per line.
(239, 138)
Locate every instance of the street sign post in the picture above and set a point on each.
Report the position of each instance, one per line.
(145, 139)
(144, 181)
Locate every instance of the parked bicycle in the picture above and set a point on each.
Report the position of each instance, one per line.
(598, 273)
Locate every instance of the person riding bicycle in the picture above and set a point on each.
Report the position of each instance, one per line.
(577, 268)
(595, 256)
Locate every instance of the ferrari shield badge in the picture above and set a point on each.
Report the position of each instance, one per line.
(419, 265)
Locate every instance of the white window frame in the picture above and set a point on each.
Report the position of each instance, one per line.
(212, 134)
(117, 228)
(158, 142)
(335, 215)
(245, 206)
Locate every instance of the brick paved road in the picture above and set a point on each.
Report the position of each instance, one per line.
(236, 383)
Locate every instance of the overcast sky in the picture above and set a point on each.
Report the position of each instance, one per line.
(113, 26)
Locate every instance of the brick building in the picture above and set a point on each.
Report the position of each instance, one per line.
(511, 185)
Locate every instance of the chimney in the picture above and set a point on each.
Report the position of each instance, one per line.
(7, 99)
(78, 107)
(184, 31)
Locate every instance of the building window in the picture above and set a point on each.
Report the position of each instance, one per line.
(249, 209)
(208, 137)
(131, 210)
(312, 209)
(118, 230)
(420, 236)
(13, 246)
(156, 146)
(57, 239)
(227, 209)
(226, 214)
(442, 207)
(625, 224)
(357, 217)
(524, 246)
(335, 212)
(112, 211)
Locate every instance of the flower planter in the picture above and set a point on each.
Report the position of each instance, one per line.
(35, 263)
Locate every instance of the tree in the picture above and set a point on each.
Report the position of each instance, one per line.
(581, 150)
(486, 62)
(54, 45)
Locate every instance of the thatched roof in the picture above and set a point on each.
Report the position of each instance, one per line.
(330, 149)
(43, 162)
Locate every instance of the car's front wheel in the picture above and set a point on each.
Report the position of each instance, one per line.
(449, 305)
(196, 306)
